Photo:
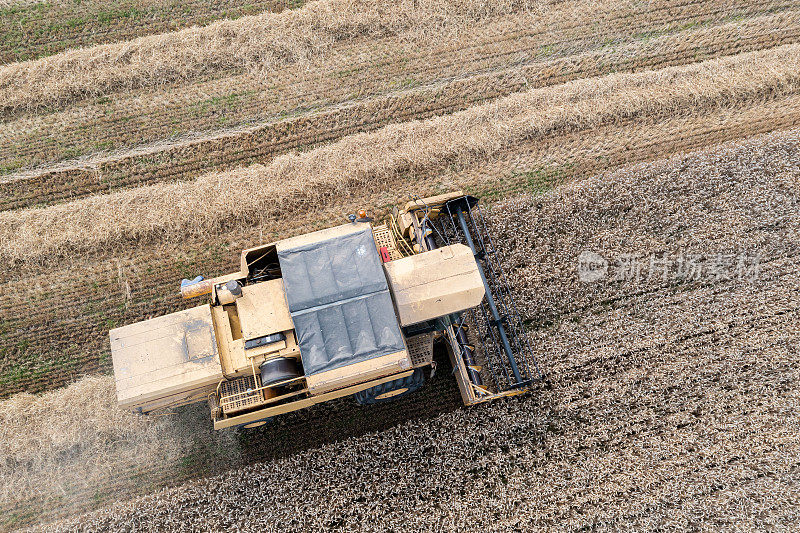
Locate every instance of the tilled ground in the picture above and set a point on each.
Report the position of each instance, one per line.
(672, 394)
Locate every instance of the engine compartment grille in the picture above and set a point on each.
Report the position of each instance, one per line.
(240, 394)
(420, 349)
(383, 238)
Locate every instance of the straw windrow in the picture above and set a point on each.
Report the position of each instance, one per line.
(257, 44)
(38, 28)
(364, 160)
(185, 158)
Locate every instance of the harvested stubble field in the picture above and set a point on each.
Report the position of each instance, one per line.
(128, 165)
(356, 86)
(671, 402)
(37, 28)
(122, 281)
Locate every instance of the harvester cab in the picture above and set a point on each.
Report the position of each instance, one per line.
(351, 310)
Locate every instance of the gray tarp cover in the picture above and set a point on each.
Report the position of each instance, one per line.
(339, 300)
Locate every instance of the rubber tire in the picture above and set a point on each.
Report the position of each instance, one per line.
(411, 383)
(277, 370)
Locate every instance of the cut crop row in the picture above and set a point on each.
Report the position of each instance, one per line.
(257, 44)
(566, 16)
(188, 159)
(41, 317)
(350, 74)
(43, 28)
(251, 194)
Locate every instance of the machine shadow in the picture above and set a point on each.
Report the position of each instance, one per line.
(341, 419)
(321, 424)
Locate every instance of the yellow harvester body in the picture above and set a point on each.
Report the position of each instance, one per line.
(332, 313)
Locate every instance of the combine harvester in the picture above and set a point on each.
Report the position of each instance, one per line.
(352, 310)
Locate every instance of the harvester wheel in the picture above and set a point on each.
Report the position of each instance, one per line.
(391, 390)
